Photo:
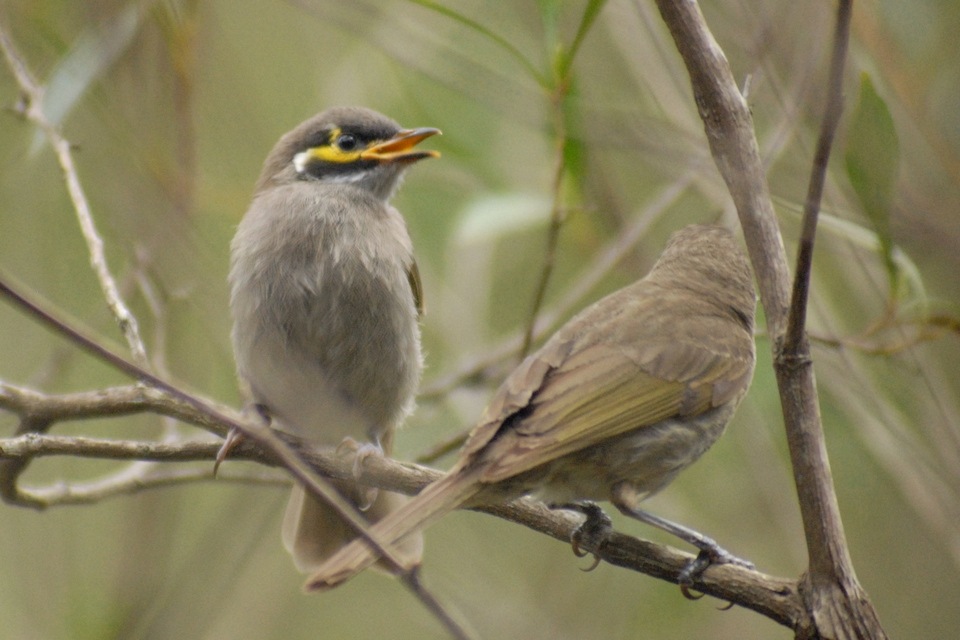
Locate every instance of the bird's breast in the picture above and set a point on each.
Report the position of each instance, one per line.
(322, 304)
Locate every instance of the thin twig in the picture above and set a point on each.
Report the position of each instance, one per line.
(32, 445)
(445, 446)
(828, 127)
(452, 625)
(32, 109)
(137, 478)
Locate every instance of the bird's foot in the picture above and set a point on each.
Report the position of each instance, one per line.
(710, 554)
(592, 533)
(625, 499)
(361, 451)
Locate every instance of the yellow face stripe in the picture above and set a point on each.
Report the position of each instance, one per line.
(330, 152)
(333, 154)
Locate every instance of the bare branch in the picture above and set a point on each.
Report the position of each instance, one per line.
(40, 408)
(135, 479)
(838, 605)
(729, 128)
(33, 445)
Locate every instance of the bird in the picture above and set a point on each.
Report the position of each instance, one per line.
(326, 301)
(612, 407)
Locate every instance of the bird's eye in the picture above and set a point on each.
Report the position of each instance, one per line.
(347, 142)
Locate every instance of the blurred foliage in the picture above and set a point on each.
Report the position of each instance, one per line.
(872, 159)
(172, 106)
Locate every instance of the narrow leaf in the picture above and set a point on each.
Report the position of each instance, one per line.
(872, 161)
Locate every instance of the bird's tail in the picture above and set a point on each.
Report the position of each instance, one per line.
(395, 530)
(313, 531)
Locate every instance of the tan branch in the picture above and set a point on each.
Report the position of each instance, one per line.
(837, 604)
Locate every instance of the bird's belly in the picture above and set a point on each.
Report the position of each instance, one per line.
(337, 357)
(648, 459)
(301, 398)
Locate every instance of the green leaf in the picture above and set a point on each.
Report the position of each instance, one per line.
(93, 53)
(492, 218)
(872, 161)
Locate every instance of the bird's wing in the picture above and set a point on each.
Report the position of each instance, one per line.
(413, 277)
(596, 393)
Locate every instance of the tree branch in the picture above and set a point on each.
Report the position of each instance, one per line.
(838, 606)
(776, 598)
(39, 408)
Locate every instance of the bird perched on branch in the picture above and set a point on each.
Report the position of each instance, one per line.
(621, 399)
(326, 299)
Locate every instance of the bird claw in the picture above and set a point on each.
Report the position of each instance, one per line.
(366, 497)
(592, 533)
(234, 437)
(710, 553)
(361, 451)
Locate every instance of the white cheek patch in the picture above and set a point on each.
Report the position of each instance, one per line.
(300, 161)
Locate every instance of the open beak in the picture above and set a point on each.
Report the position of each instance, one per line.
(401, 147)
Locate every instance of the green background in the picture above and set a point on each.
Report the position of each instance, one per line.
(172, 106)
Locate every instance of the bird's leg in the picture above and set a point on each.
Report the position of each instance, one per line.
(361, 451)
(592, 533)
(235, 436)
(710, 552)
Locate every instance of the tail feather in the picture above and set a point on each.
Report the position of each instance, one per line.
(434, 502)
(313, 531)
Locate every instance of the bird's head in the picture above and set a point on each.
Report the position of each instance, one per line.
(350, 145)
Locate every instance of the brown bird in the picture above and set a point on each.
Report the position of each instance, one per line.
(621, 399)
(326, 297)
